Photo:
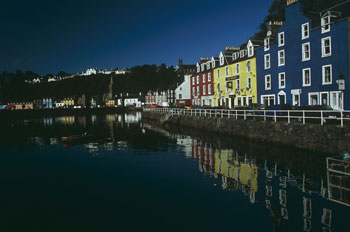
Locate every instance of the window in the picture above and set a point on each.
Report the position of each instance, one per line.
(204, 90)
(237, 84)
(249, 83)
(326, 47)
(235, 55)
(213, 64)
(204, 78)
(268, 100)
(325, 24)
(218, 73)
(280, 39)
(307, 77)
(305, 31)
(250, 50)
(237, 68)
(222, 60)
(267, 61)
(282, 80)
(180, 96)
(226, 71)
(296, 99)
(281, 97)
(198, 91)
(193, 91)
(248, 66)
(326, 74)
(267, 82)
(197, 79)
(250, 100)
(336, 100)
(324, 97)
(193, 81)
(202, 67)
(266, 44)
(209, 77)
(239, 101)
(281, 58)
(306, 51)
(218, 88)
(208, 65)
(198, 68)
(209, 89)
(313, 99)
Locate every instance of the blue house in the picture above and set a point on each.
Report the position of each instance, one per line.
(305, 60)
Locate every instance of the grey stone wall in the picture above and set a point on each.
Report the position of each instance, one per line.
(327, 138)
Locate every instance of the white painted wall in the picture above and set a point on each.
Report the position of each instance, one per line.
(184, 89)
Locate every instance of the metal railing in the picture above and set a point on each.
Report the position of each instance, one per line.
(290, 116)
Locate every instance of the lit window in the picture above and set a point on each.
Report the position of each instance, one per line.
(326, 47)
(281, 58)
(327, 74)
(305, 31)
(307, 77)
(267, 82)
(282, 80)
(306, 51)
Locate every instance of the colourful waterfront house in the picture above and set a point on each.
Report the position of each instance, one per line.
(305, 60)
(235, 81)
(202, 82)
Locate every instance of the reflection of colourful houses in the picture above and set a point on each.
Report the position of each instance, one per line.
(227, 165)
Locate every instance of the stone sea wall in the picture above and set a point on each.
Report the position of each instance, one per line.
(330, 139)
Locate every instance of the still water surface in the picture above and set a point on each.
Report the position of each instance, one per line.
(131, 175)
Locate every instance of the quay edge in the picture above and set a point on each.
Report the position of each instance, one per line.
(330, 139)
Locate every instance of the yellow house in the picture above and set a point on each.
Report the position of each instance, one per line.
(235, 79)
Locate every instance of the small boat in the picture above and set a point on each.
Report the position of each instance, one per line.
(75, 138)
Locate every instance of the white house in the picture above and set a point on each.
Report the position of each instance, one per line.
(183, 91)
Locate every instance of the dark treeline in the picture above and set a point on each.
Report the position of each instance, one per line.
(276, 12)
(14, 88)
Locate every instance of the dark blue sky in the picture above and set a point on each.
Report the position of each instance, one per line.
(50, 36)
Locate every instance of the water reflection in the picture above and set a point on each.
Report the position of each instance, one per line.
(299, 203)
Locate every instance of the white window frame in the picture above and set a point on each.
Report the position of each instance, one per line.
(248, 66)
(209, 89)
(193, 91)
(249, 83)
(250, 50)
(193, 80)
(266, 82)
(280, 80)
(324, 48)
(314, 94)
(237, 68)
(325, 27)
(203, 77)
(204, 90)
(237, 84)
(218, 73)
(197, 80)
(268, 96)
(226, 71)
(304, 72)
(198, 93)
(267, 60)
(209, 77)
(213, 64)
(202, 66)
(266, 44)
(338, 105)
(323, 74)
(281, 39)
(281, 93)
(222, 61)
(281, 58)
(320, 98)
(303, 27)
(304, 58)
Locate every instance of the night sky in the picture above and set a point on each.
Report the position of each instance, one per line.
(52, 36)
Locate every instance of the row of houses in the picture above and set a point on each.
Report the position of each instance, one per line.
(304, 60)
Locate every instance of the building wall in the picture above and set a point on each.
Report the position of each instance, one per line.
(294, 65)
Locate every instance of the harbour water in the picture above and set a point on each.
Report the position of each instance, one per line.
(131, 175)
